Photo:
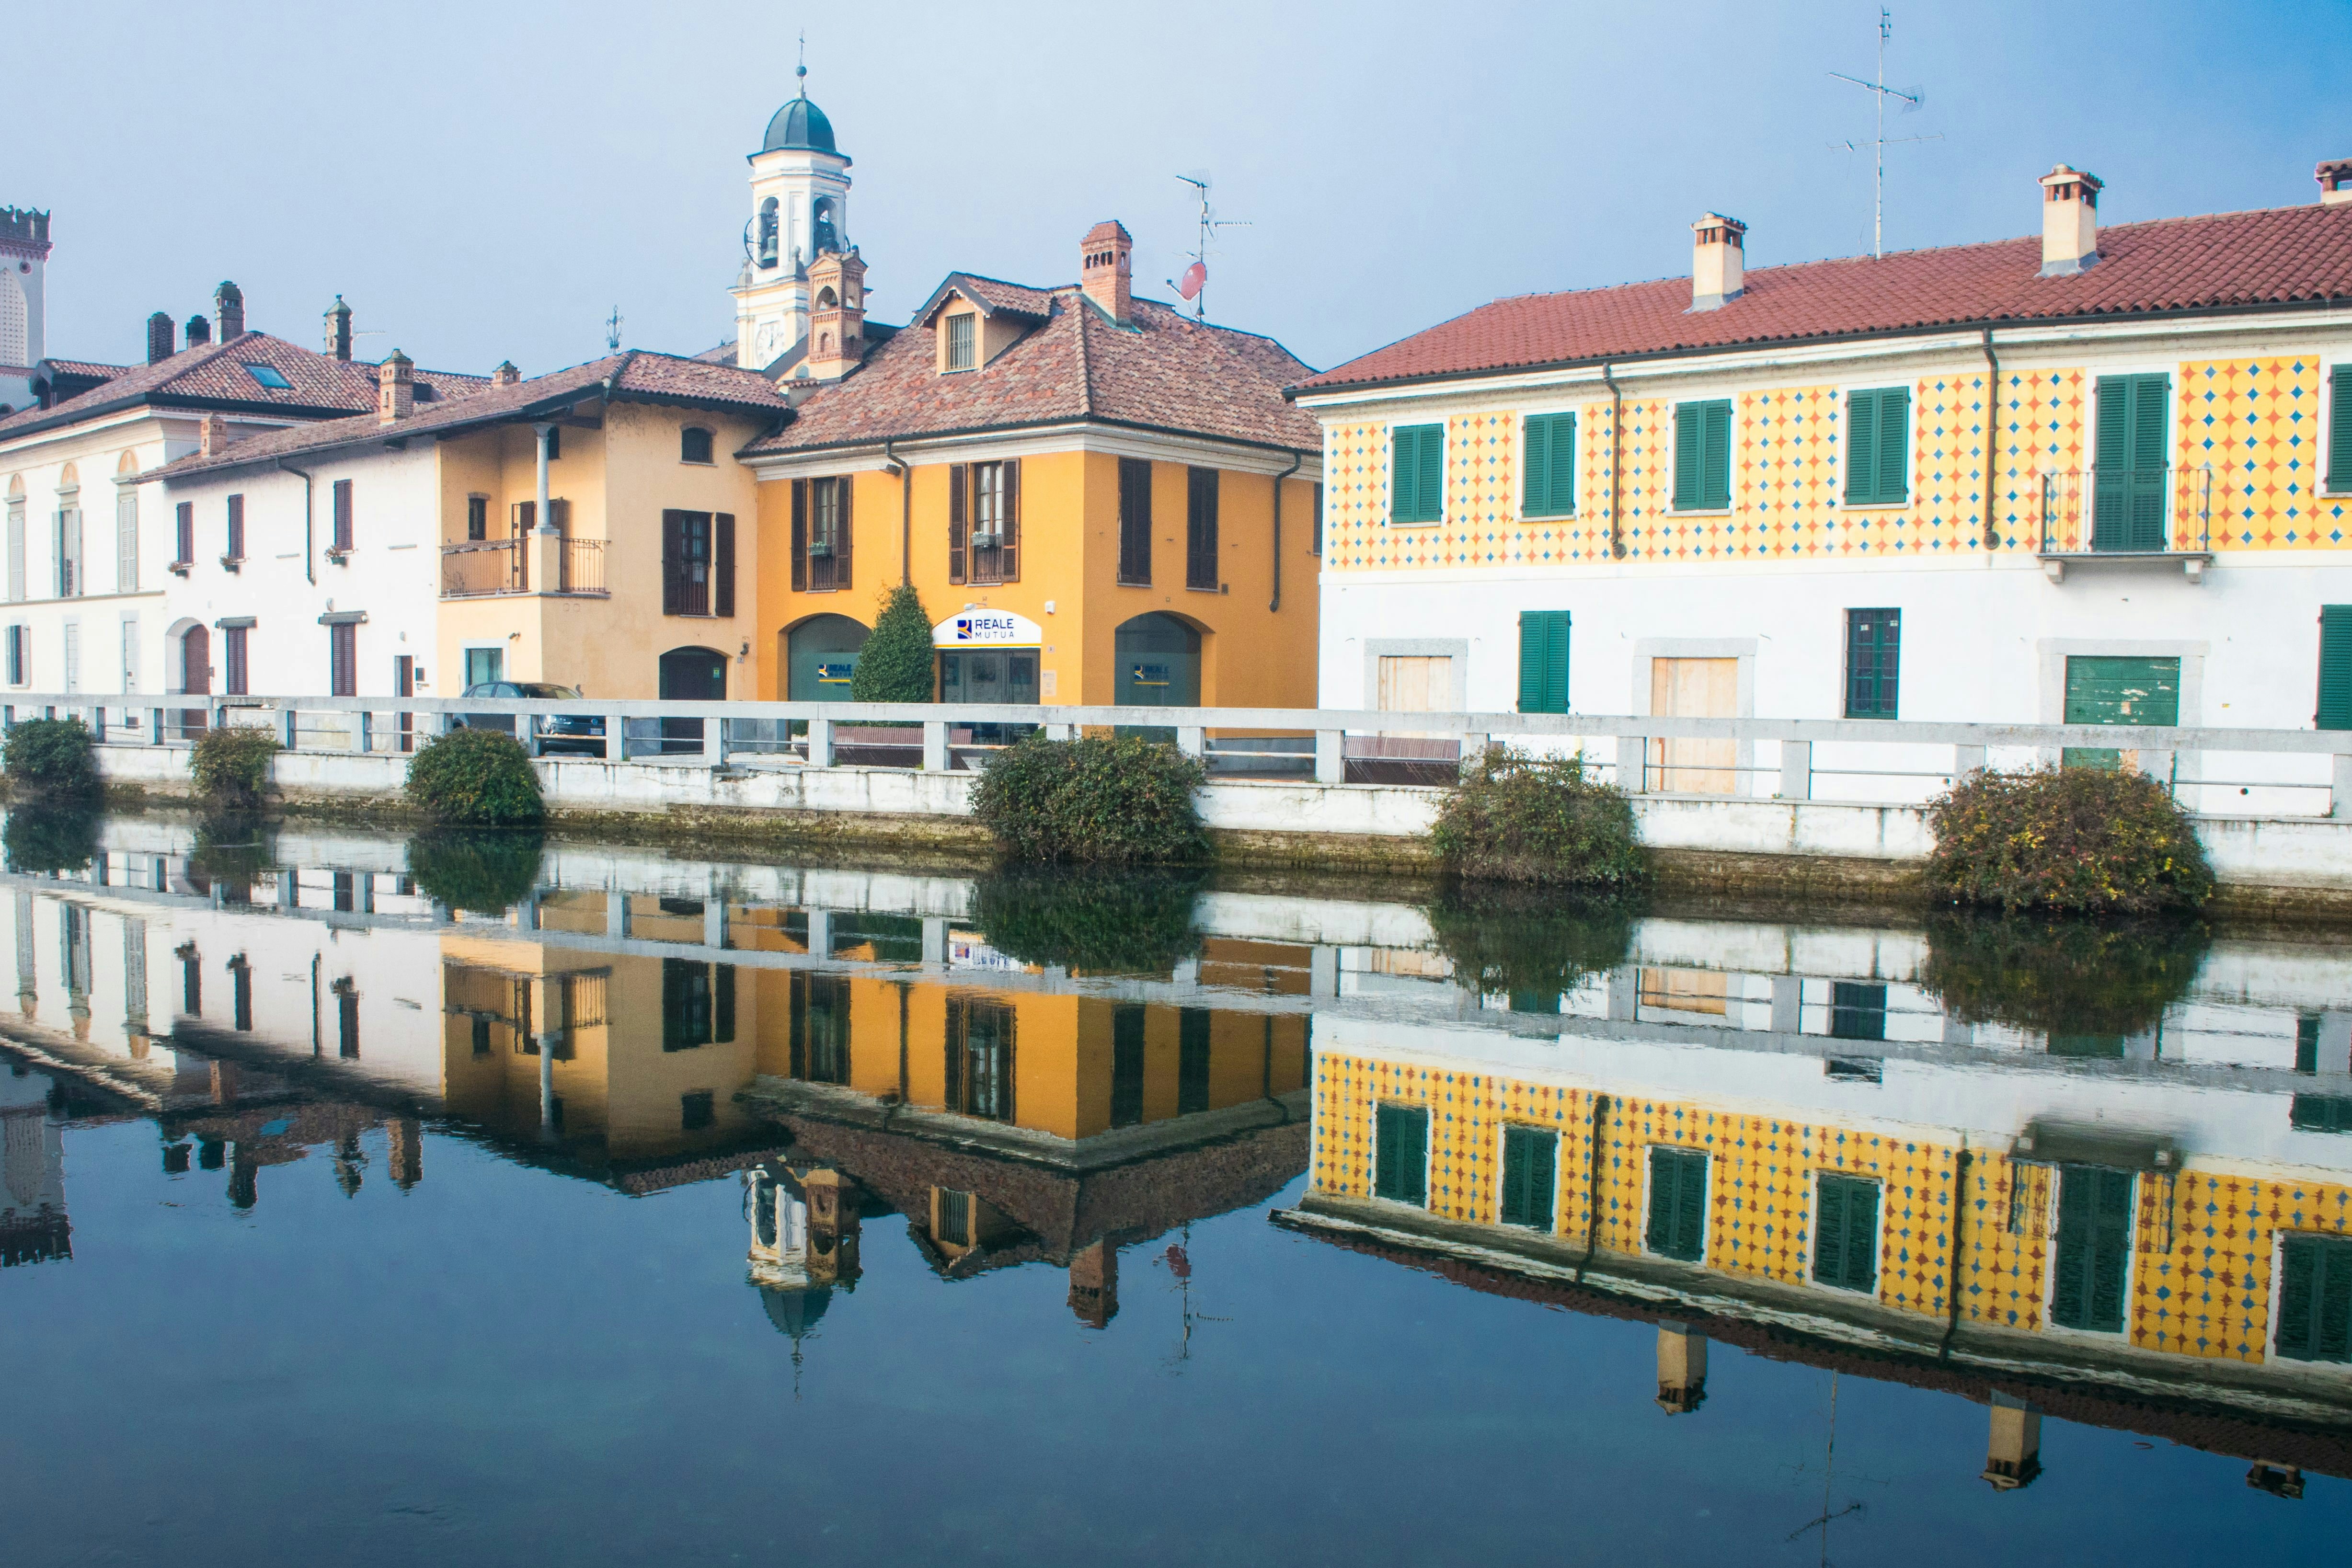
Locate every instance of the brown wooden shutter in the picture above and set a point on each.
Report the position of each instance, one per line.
(800, 535)
(558, 515)
(187, 539)
(342, 513)
(526, 517)
(672, 563)
(1011, 522)
(842, 534)
(959, 484)
(722, 551)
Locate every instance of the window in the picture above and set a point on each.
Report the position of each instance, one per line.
(2306, 1043)
(694, 444)
(1401, 1153)
(1703, 457)
(477, 517)
(1845, 1232)
(820, 1028)
(1530, 1176)
(73, 657)
(1873, 646)
(1856, 1011)
(1193, 1027)
(2131, 448)
(554, 442)
(1200, 563)
(1677, 1226)
(1135, 521)
(16, 549)
(1878, 447)
(1126, 1066)
(686, 564)
(484, 666)
(2315, 1299)
(343, 658)
(2320, 1113)
(821, 535)
(236, 527)
(953, 1226)
(126, 539)
(68, 540)
(984, 522)
(1417, 474)
(347, 1017)
(697, 1110)
(979, 1058)
(234, 683)
(342, 513)
(2339, 430)
(185, 542)
(1550, 478)
(2094, 1219)
(1543, 661)
(697, 1004)
(961, 349)
(268, 376)
(18, 636)
(130, 655)
(2335, 710)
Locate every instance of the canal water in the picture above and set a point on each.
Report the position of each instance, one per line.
(493, 1201)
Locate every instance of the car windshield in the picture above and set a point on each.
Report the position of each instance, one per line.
(541, 689)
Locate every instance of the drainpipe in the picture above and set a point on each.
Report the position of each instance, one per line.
(1992, 529)
(309, 572)
(898, 466)
(1295, 462)
(1592, 1188)
(1960, 1219)
(1616, 455)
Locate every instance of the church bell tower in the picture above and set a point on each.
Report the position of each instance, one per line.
(800, 213)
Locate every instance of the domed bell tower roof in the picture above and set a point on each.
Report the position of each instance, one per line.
(800, 125)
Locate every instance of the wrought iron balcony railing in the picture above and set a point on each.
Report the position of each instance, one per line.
(477, 567)
(2130, 511)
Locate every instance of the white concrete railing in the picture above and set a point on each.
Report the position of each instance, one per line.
(2305, 772)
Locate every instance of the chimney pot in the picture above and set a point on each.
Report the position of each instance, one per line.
(2335, 177)
(228, 311)
(214, 435)
(1719, 261)
(159, 338)
(1106, 270)
(506, 375)
(395, 388)
(2069, 221)
(200, 331)
(338, 329)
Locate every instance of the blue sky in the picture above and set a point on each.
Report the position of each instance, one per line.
(489, 181)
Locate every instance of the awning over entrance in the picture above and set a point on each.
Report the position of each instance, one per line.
(987, 629)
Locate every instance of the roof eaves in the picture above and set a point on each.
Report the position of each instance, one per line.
(750, 456)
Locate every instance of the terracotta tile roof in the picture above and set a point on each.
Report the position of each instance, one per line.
(1161, 372)
(636, 374)
(90, 368)
(2280, 256)
(216, 375)
(991, 295)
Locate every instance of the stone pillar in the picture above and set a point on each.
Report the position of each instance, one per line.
(2013, 1448)
(1682, 1369)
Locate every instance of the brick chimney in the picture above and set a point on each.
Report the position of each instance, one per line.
(339, 330)
(2069, 221)
(213, 437)
(1719, 261)
(1104, 271)
(159, 338)
(506, 375)
(395, 388)
(200, 331)
(228, 311)
(2335, 178)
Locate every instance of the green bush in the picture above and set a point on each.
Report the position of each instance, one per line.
(486, 871)
(1533, 944)
(1128, 922)
(479, 776)
(2067, 976)
(1110, 801)
(2075, 839)
(52, 756)
(53, 836)
(231, 765)
(895, 664)
(1517, 817)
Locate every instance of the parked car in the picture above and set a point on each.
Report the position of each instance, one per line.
(565, 734)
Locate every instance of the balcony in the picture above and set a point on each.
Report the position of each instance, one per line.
(2126, 517)
(479, 569)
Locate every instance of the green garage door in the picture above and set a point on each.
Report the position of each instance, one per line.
(2102, 690)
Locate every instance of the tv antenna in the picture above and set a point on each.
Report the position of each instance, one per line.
(1195, 283)
(613, 331)
(1880, 92)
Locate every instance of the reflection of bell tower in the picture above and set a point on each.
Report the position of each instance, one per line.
(836, 314)
(800, 213)
(2013, 1446)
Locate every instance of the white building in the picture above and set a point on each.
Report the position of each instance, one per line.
(24, 312)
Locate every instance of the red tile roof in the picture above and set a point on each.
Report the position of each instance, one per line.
(992, 294)
(2234, 260)
(90, 368)
(1161, 370)
(660, 378)
(216, 375)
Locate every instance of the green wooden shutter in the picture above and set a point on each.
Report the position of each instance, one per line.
(1877, 436)
(1861, 448)
(1677, 1226)
(1689, 438)
(2334, 1332)
(1828, 1232)
(1417, 471)
(2094, 1248)
(1431, 493)
(1846, 1237)
(2335, 667)
(2130, 452)
(1562, 501)
(2340, 429)
(1717, 456)
(1537, 448)
(1530, 1172)
(1550, 479)
(1401, 1153)
(2299, 1266)
(1543, 661)
(1893, 438)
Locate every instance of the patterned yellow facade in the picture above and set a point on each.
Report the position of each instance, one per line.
(2247, 434)
(2199, 1280)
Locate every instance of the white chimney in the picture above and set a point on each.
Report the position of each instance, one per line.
(1719, 261)
(2335, 178)
(2070, 221)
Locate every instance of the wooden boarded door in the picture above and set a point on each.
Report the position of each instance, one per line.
(1695, 688)
(2104, 690)
(1411, 684)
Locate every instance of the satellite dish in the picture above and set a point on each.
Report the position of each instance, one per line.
(1189, 286)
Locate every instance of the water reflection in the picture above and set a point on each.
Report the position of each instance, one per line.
(2069, 1175)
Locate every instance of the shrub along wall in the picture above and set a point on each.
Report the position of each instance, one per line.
(1111, 801)
(476, 777)
(51, 757)
(1517, 817)
(2081, 840)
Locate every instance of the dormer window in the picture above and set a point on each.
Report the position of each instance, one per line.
(963, 348)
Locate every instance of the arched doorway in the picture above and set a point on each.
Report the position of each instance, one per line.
(1159, 663)
(691, 674)
(197, 660)
(819, 653)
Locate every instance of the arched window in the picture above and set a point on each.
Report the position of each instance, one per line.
(69, 476)
(128, 466)
(694, 444)
(826, 299)
(825, 234)
(768, 232)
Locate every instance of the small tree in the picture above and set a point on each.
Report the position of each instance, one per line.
(230, 765)
(51, 757)
(476, 777)
(895, 666)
